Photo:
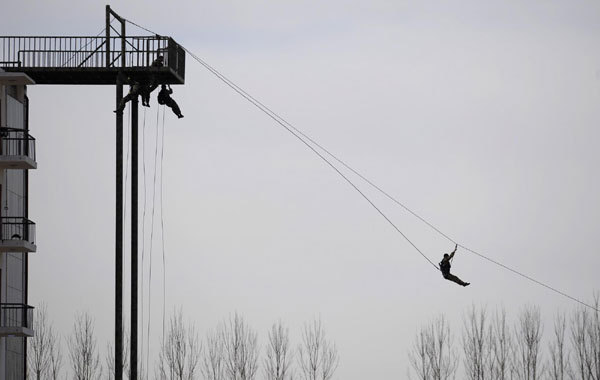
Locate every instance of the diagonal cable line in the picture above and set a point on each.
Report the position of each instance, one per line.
(304, 138)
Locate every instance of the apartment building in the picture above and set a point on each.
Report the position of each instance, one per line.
(17, 231)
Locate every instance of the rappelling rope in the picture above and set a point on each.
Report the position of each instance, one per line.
(143, 224)
(162, 224)
(152, 236)
(297, 133)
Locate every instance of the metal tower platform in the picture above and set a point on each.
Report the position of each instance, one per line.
(93, 60)
(106, 59)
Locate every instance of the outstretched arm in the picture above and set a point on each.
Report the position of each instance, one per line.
(453, 252)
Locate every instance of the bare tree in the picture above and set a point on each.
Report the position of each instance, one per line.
(594, 339)
(476, 344)
(441, 351)
(213, 358)
(528, 333)
(55, 354)
(240, 345)
(418, 356)
(318, 358)
(85, 360)
(585, 338)
(559, 354)
(433, 354)
(579, 327)
(39, 347)
(278, 360)
(501, 346)
(180, 352)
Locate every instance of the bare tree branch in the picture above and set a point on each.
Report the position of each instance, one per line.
(317, 357)
(83, 353)
(39, 347)
(501, 345)
(240, 346)
(213, 359)
(559, 353)
(278, 360)
(55, 354)
(180, 352)
(418, 356)
(528, 357)
(433, 354)
(476, 345)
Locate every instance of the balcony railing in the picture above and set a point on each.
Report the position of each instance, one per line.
(89, 52)
(16, 319)
(17, 149)
(17, 235)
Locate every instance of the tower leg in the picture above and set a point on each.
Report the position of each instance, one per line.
(119, 239)
(134, 239)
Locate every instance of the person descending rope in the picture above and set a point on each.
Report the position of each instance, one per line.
(135, 89)
(152, 82)
(445, 268)
(164, 97)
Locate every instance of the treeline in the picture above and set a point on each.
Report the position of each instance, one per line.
(229, 351)
(493, 346)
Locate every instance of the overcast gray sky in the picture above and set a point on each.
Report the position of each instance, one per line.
(481, 116)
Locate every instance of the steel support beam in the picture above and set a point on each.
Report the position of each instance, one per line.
(119, 238)
(134, 239)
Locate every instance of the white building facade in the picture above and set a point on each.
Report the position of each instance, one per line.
(17, 231)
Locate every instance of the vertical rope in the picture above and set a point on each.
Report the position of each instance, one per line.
(152, 235)
(162, 224)
(143, 222)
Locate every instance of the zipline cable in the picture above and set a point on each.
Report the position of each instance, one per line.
(297, 133)
(276, 118)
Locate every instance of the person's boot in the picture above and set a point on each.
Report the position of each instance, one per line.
(466, 283)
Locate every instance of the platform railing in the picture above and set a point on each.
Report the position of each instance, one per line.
(16, 142)
(17, 228)
(16, 315)
(88, 52)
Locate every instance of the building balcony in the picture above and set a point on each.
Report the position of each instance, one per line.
(17, 149)
(16, 320)
(17, 235)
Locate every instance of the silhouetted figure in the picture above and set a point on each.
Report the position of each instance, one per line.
(445, 268)
(152, 83)
(135, 89)
(164, 97)
(145, 95)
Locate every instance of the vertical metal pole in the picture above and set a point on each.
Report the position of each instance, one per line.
(134, 239)
(123, 44)
(107, 35)
(119, 238)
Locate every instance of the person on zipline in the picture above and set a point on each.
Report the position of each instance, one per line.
(445, 268)
(164, 97)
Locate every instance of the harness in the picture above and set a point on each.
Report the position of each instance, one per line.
(162, 97)
(445, 266)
